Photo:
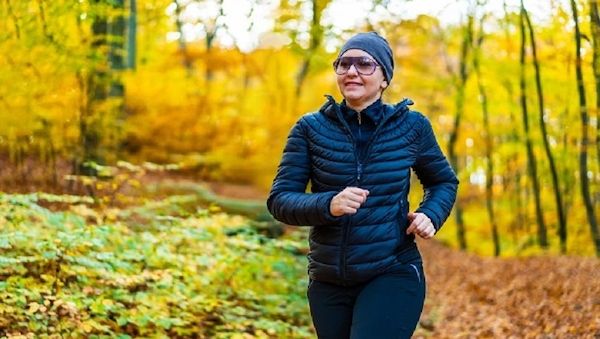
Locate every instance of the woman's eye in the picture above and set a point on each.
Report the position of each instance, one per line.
(365, 63)
(345, 63)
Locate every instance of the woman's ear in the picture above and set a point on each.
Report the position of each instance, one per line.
(384, 84)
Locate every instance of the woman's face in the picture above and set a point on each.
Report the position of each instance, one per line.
(359, 88)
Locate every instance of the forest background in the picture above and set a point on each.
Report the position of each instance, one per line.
(110, 108)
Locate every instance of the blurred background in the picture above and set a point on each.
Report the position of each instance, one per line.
(131, 122)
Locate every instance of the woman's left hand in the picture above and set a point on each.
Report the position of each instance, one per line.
(421, 225)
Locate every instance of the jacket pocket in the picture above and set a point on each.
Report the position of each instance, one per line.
(416, 271)
(308, 286)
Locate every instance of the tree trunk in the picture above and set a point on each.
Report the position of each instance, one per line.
(103, 81)
(562, 221)
(531, 161)
(489, 173)
(583, 167)
(253, 209)
(116, 56)
(14, 19)
(118, 63)
(460, 99)
(595, 29)
(186, 60)
(211, 34)
(96, 92)
(44, 22)
(316, 37)
(132, 35)
(514, 177)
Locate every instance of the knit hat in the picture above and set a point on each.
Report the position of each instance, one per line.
(377, 47)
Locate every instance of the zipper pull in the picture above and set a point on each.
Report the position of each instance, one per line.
(359, 118)
(358, 171)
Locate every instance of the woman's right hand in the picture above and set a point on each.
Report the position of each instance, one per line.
(348, 201)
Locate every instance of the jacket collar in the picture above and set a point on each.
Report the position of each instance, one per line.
(332, 109)
(374, 111)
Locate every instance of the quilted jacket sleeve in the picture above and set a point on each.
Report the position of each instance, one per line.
(439, 181)
(287, 201)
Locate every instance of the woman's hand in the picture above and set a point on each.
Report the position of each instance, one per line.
(348, 201)
(421, 225)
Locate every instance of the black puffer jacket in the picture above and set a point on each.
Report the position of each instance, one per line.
(354, 248)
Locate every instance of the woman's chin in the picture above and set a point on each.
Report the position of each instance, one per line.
(353, 96)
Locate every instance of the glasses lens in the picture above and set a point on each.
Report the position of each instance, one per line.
(343, 65)
(365, 66)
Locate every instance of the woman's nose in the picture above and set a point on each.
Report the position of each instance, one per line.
(352, 70)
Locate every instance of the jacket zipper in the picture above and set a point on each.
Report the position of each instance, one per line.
(348, 225)
(359, 169)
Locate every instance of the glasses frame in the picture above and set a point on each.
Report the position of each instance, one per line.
(353, 61)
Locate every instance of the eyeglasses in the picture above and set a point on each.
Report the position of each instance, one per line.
(363, 65)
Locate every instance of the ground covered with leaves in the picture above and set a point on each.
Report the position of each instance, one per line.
(169, 268)
(482, 297)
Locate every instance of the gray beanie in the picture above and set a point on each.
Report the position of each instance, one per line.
(377, 47)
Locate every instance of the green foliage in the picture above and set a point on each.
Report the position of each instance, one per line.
(197, 275)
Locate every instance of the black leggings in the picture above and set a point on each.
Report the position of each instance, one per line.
(386, 307)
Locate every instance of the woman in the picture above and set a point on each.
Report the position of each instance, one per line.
(366, 277)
